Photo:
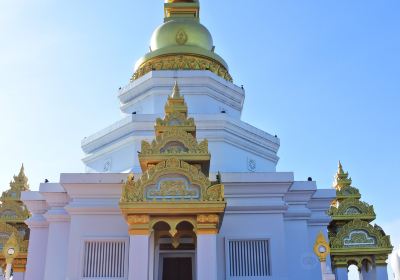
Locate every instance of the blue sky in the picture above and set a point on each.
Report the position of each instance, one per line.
(322, 75)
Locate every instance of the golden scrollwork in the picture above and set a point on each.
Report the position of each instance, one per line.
(215, 193)
(173, 188)
(134, 191)
(131, 190)
(138, 219)
(175, 119)
(207, 219)
(189, 143)
(182, 62)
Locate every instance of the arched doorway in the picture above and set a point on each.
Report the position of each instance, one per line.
(174, 251)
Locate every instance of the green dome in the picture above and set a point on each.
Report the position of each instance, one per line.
(179, 33)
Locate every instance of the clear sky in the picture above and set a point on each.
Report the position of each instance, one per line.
(322, 75)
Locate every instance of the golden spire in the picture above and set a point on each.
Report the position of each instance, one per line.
(342, 179)
(176, 93)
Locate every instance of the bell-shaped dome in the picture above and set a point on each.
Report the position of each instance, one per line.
(181, 43)
(181, 32)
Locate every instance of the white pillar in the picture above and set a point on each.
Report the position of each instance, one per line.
(395, 263)
(139, 247)
(8, 271)
(38, 235)
(18, 276)
(326, 273)
(341, 273)
(381, 272)
(206, 257)
(58, 237)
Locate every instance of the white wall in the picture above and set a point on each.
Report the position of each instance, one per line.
(84, 227)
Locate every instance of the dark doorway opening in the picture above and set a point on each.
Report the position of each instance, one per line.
(177, 268)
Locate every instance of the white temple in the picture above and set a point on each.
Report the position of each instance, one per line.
(203, 199)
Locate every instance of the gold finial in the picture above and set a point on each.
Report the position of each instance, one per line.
(176, 92)
(340, 168)
(341, 179)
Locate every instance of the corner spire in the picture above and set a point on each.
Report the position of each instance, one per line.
(176, 92)
(340, 168)
(22, 171)
(342, 179)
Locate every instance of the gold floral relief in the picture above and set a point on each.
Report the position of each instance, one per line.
(182, 62)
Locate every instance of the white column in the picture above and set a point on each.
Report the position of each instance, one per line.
(8, 271)
(381, 272)
(18, 276)
(395, 263)
(341, 273)
(38, 235)
(58, 237)
(206, 257)
(139, 247)
(326, 273)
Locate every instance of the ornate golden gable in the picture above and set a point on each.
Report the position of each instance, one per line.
(13, 214)
(174, 186)
(352, 238)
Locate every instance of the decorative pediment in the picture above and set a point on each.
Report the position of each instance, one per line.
(174, 141)
(348, 192)
(175, 119)
(352, 209)
(360, 234)
(13, 211)
(172, 179)
(6, 231)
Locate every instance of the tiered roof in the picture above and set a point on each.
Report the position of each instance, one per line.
(353, 240)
